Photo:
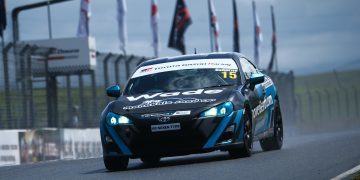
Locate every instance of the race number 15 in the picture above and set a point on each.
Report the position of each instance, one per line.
(231, 75)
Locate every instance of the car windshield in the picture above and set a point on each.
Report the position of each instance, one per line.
(183, 75)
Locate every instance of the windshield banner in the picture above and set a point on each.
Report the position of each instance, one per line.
(224, 64)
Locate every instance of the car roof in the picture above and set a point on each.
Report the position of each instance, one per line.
(217, 55)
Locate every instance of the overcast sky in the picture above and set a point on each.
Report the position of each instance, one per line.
(313, 35)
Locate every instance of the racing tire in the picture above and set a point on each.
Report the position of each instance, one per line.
(246, 149)
(116, 163)
(151, 161)
(275, 142)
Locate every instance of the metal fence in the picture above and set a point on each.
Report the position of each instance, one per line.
(33, 97)
(284, 83)
(328, 107)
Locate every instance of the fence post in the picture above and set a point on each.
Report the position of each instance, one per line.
(356, 102)
(320, 105)
(299, 108)
(106, 74)
(347, 103)
(127, 65)
(50, 84)
(310, 103)
(94, 97)
(25, 116)
(117, 71)
(7, 85)
(337, 93)
(328, 103)
(30, 103)
(83, 114)
(69, 101)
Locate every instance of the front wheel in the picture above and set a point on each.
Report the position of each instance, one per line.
(246, 149)
(116, 163)
(275, 142)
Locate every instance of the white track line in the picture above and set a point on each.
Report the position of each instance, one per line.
(347, 173)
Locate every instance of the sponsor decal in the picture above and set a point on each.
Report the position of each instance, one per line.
(146, 70)
(262, 106)
(181, 113)
(165, 127)
(170, 113)
(80, 144)
(268, 82)
(171, 94)
(9, 148)
(189, 64)
(39, 145)
(164, 119)
(152, 103)
(226, 70)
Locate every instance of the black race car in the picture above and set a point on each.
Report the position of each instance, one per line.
(190, 104)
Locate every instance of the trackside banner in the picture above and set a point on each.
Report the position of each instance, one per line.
(69, 54)
(29, 146)
(228, 64)
(39, 145)
(9, 148)
(80, 143)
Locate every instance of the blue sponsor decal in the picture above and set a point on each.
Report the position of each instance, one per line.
(120, 143)
(221, 127)
(238, 117)
(270, 91)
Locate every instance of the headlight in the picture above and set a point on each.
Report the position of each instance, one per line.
(220, 110)
(114, 119)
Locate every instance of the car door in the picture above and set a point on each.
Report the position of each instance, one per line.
(257, 97)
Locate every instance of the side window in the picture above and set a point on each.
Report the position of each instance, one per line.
(247, 67)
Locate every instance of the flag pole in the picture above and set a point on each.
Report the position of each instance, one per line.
(274, 38)
(49, 19)
(273, 42)
(211, 33)
(257, 35)
(236, 33)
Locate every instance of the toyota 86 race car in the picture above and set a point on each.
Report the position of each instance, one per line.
(190, 104)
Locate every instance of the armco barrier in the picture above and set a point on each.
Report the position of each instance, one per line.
(28, 146)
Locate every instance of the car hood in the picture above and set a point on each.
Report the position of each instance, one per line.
(169, 101)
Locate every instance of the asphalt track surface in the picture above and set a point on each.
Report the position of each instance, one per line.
(320, 156)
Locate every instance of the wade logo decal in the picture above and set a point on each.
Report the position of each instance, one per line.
(168, 101)
(172, 94)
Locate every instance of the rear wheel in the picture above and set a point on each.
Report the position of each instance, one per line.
(275, 142)
(246, 149)
(150, 160)
(116, 163)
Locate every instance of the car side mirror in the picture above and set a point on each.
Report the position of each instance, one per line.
(113, 91)
(256, 79)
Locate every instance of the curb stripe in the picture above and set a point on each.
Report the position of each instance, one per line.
(347, 173)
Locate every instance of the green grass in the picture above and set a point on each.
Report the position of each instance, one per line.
(356, 176)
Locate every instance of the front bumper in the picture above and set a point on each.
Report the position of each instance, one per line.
(197, 135)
